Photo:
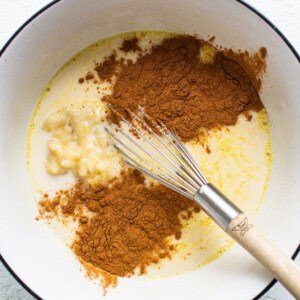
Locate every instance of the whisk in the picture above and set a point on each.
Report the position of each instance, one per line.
(156, 151)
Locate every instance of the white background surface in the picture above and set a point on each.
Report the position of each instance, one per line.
(284, 14)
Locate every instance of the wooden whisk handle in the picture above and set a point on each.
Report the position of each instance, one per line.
(232, 220)
(279, 264)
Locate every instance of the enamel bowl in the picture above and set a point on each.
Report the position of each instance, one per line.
(52, 36)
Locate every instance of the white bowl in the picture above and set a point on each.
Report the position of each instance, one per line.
(63, 28)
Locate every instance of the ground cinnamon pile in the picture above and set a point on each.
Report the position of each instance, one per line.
(174, 87)
(124, 228)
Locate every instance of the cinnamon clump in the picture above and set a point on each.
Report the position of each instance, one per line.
(107, 68)
(107, 280)
(89, 76)
(123, 228)
(130, 45)
(174, 87)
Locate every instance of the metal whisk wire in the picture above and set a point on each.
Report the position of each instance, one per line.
(186, 178)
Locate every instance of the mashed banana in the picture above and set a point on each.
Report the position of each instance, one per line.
(79, 143)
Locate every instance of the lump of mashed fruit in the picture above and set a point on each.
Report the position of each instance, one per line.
(79, 143)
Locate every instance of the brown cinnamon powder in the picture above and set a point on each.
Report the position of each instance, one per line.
(89, 76)
(106, 69)
(174, 87)
(124, 228)
(130, 45)
(253, 64)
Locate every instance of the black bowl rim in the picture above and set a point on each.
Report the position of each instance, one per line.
(46, 7)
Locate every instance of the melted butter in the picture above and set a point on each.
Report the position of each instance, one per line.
(239, 163)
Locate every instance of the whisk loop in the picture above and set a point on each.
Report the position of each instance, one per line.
(169, 161)
(156, 151)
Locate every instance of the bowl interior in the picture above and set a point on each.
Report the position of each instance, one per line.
(31, 249)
